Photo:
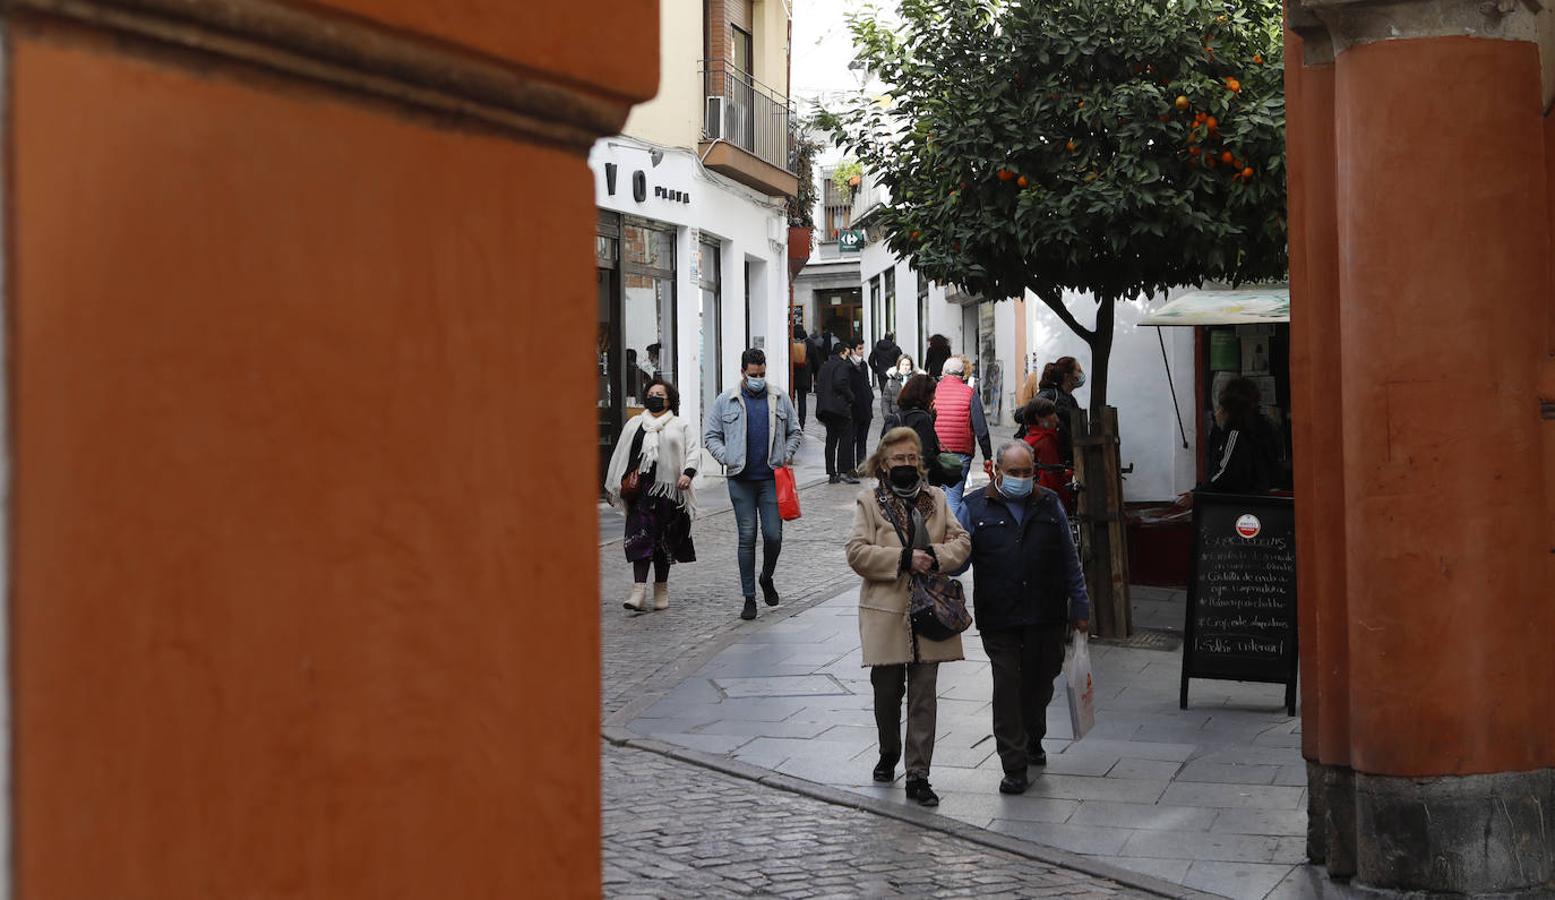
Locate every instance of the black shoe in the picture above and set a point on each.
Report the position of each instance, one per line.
(1014, 783)
(833, 479)
(749, 612)
(1036, 757)
(768, 590)
(918, 789)
(848, 479)
(885, 770)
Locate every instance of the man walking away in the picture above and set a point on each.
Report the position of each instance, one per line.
(802, 382)
(883, 360)
(834, 407)
(753, 429)
(1028, 591)
(959, 422)
(863, 404)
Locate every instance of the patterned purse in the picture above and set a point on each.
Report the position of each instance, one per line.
(936, 603)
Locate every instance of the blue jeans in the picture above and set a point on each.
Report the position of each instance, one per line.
(750, 499)
(953, 492)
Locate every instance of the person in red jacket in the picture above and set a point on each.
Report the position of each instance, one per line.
(1041, 419)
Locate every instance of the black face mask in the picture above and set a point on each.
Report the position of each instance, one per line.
(655, 404)
(905, 480)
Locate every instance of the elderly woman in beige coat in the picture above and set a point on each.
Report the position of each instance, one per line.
(903, 504)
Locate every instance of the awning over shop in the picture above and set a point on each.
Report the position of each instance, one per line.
(1224, 308)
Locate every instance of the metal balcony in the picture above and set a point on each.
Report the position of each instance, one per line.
(748, 130)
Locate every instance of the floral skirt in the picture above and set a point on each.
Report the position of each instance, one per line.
(658, 524)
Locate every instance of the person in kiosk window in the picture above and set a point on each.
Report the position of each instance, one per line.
(662, 448)
(902, 526)
(1028, 592)
(1240, 460)
(834, 407)
(753, 429)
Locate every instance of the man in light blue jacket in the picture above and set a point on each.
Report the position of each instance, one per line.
(753, 429)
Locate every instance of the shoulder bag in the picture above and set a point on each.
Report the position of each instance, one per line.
(936, 603)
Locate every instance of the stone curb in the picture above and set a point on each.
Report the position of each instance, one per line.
(1052, 856)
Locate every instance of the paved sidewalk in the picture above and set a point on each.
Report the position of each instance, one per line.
(1213, 797)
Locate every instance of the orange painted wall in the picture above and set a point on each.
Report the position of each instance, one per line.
(1441, 274)
(304, 599)
(597, 43)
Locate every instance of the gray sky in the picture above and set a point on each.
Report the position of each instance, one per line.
(822, 49)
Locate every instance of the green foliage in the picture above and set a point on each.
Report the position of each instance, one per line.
(1036, 144)
(842, 176)
(801, 206)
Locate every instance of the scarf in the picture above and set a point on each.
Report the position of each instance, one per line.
(668, 444)
(899, 509)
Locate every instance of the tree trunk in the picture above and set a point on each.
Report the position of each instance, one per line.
(1106, 559)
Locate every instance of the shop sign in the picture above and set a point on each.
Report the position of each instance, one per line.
(850, 240)
(640, 187)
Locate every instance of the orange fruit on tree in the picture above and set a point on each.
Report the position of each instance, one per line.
(1181, 102)
(1005, 174)
(1226, 156)
(1195, 150)
(1071, 146)
(1233, 85)
(916, 234)
(1257, 59)
(1247, 172)
(1023, 182)
(1211, 123)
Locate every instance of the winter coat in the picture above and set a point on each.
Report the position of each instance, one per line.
(726, 429)
(959, 418)
(885, 357)
(1239, 463)
(834, 390)
(803, 380)
(1066, 404)
(1045, 444)
(875, 553)
(815, 356)
(863, 396)
(921, 421)
(1026, 572)
(934, 360)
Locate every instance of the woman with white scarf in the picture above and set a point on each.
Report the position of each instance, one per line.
(657, 447)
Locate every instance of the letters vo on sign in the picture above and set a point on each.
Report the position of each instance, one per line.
(1241, 617)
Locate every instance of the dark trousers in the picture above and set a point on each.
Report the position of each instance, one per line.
(661, 568)
(918, 681)
(1025, 660)
(839, 445)
(799, 404)
(860, 440)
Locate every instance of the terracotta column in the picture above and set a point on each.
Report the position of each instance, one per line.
(1317, 376)
(301, 593)
(1443, 240)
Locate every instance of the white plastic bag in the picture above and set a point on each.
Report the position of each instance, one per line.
(1079, 687)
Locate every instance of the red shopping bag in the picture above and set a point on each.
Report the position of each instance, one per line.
(788, 493)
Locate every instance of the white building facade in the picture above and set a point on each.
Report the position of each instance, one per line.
(692, 237)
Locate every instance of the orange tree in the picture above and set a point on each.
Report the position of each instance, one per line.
(1116, 147)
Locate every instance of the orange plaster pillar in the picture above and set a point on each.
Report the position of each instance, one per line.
(1316, 373)
(1443, 245)
(302, 601)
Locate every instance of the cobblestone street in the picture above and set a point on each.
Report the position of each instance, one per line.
(676, 829)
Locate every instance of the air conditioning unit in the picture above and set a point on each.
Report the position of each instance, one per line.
(713, 121)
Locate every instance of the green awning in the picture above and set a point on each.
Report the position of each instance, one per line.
(1255, 307)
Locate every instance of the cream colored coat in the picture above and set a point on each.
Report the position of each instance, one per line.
(875, 553)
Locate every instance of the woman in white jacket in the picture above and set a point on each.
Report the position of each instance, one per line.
(650, 474)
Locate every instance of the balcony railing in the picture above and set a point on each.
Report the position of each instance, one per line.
(747, 114)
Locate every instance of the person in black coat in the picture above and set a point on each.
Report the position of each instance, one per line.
(863, 402)
(934, 359)
(884, 359)
(834, 407)
(912, 411)
(1241, 459)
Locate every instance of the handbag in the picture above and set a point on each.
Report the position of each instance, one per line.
(949, 465)
(936, 603)
(787, 493)
(631, 486)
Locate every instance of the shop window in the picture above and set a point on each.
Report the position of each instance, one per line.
(647, 309)
(890, 301)
(923, 317)
(874, 307)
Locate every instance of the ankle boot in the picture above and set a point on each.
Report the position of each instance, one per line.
(661, 595)
(639, 599)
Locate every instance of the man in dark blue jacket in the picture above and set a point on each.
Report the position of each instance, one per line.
(1028, 591)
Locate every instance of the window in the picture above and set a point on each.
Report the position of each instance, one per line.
(874, 306)
(838, 209)
(711, 323)
(647, 308)
(743, 50)
(923, 317)
(890, 301)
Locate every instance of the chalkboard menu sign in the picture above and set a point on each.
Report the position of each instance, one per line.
(1241, 623)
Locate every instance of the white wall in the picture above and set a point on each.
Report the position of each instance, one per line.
(747, 225)
(1137, 386)
(674, 117)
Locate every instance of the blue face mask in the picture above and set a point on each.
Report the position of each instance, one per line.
(1079, 381)
(755, 385)
(1015, 488)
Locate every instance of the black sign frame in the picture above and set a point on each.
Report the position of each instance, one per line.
(1286, 670)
